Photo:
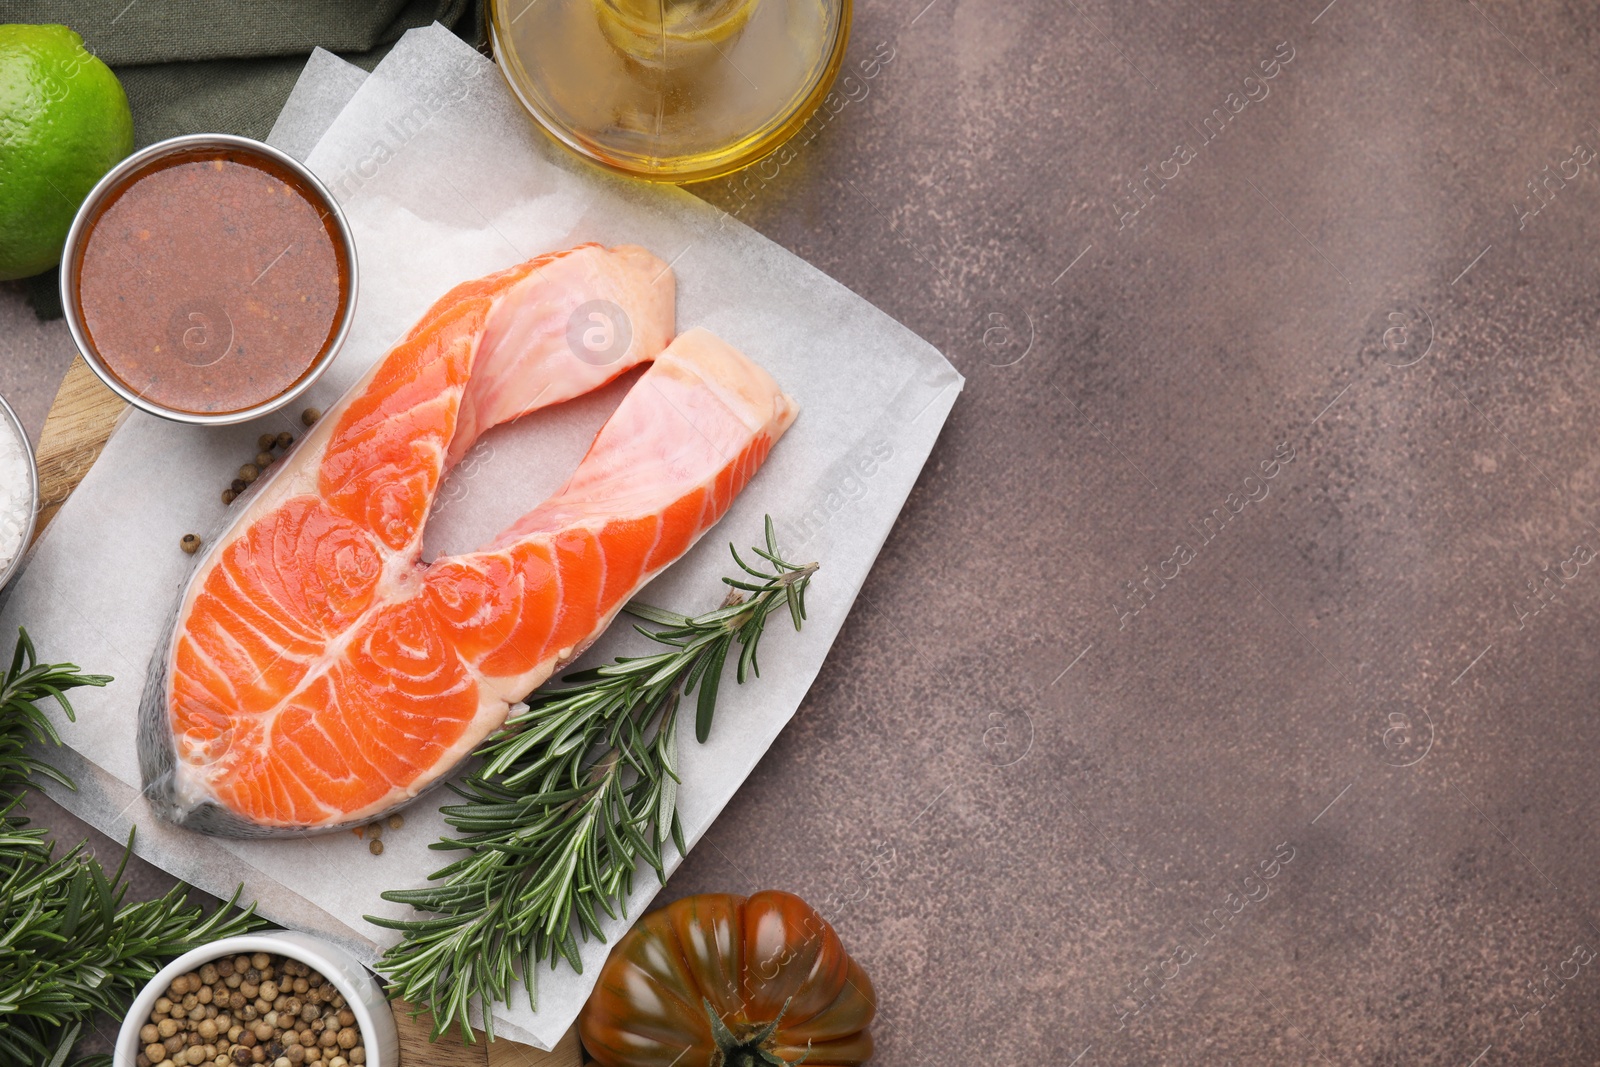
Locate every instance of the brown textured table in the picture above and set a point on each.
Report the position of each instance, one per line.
(1023, 802)
(81, 418)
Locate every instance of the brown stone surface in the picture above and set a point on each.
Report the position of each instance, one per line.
(1020, 801)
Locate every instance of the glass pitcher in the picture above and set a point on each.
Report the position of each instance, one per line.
(670, 90)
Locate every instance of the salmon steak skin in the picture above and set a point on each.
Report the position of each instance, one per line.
(319, 673)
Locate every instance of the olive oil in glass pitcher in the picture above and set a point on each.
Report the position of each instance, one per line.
(670, 90)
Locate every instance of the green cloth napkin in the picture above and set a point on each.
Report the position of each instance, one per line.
(226, 66)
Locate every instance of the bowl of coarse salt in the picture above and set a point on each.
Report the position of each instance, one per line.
(19, 492)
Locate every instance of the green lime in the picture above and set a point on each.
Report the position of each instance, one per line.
(64, 122)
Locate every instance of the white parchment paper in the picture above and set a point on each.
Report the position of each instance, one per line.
(444, 178)
(324, 89)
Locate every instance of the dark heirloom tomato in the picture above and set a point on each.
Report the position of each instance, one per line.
(723, 981)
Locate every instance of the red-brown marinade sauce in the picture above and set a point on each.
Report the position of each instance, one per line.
(211, 281)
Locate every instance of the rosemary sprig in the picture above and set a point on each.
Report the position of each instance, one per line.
(22, 721)
(575, 791)
(69, 945)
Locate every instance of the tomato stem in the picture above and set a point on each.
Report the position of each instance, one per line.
(753, 1050)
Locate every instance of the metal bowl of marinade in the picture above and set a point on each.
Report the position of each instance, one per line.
(209, 279)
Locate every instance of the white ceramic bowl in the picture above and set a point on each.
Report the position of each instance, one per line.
(361, 990)
(10, 424)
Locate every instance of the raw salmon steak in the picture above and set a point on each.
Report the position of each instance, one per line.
(320, 673)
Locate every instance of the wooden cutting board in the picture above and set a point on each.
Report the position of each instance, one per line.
(81, 419)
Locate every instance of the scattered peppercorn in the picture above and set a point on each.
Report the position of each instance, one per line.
(239, 485)
(264, 442)
(310, 416)
(263, 460)
(375, 830)
(396, 821)
(189, 544)
(285, 439)
(249, 473)
(376, 848)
